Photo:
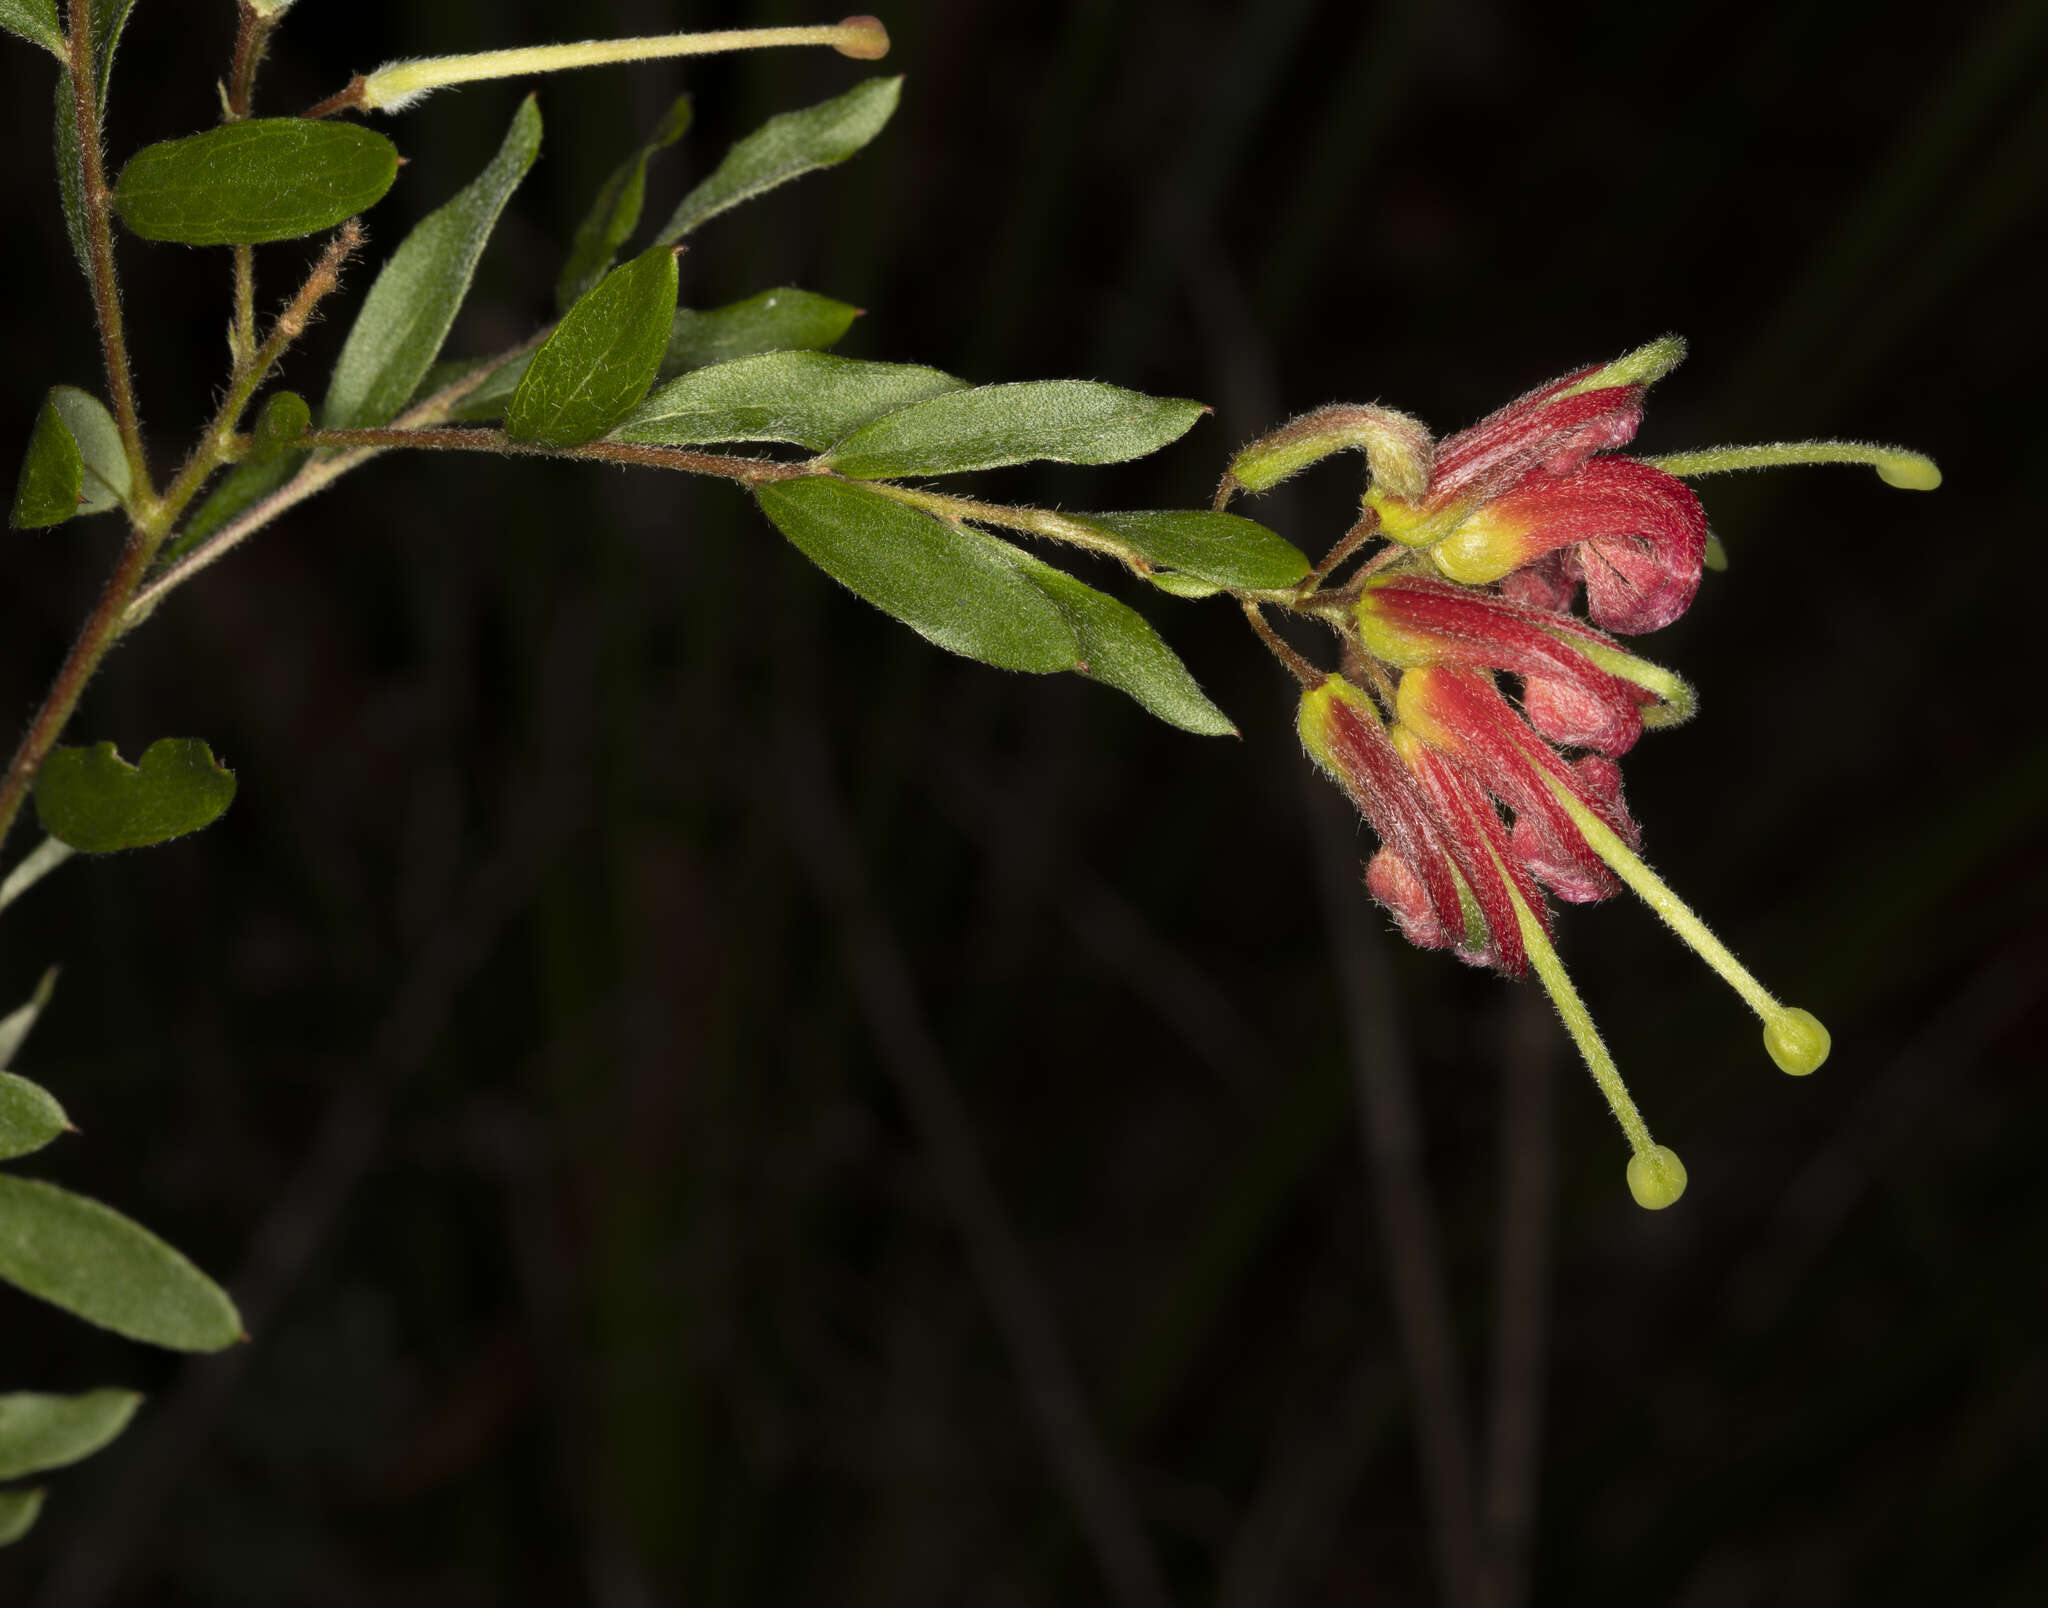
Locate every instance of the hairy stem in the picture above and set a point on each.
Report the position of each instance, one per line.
(95, 199)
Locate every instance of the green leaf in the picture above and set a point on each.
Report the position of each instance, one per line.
(109, 18)
(781, 320)
(1179, 585)
(16, 1025)
(35, 21)
(100, 1266)
(952, 585)
(285, 417)
(1222, 549)
(492, 396)
(269, 178)
(30, 1117)
(1122, 650)
(245, 486)
(1067, 421)
(616, 212)
(804, 397)
(97, 802)
(407, 314)
(107, 476)
(52, 476)
(70, 172)
(787, 147)
(39, 1431)
(18, 1510)
(602, 357)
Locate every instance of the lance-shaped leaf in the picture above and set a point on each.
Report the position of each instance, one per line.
(269, 178)
(30, 1116)
(615, 214)
(950, 584)
(17, 1024)
(70, 171)
(1067, 421)
(74, 464)
(100, 1266)
(1222, 549)
(39, 1431)
(406, 316)
(807, 398)
(18, 1510)
(602, 357)
(787, 147)
(109, 18)
(245, 485)
(35, 21)
(781, 320)
(97, 802)
(1120, 649)
(52, 475)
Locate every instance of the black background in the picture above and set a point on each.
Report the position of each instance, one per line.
(558, 1046)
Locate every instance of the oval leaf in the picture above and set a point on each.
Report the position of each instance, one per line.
(804, 397)
(1122, 650)
(99, 1266)
(52, 474)
(97, 802)
(1067, 421)
(18, 1510)
(1223, 549)
(781, 320)
(270, 178)
(602, 357)
(39, 1431)
(107, 476)
(787, 147)
(29, 1118)
(615, 214)
(406, 316)
(35, 21)
(951, 585)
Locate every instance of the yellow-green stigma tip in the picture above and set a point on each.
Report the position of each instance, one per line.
(1797, 1041)
(1909, 471)
(1656, 1177)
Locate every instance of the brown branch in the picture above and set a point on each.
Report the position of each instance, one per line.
(459, 438)
(345, 101)
(95, 199)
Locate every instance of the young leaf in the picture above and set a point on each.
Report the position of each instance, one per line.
(100, 1266)
(35, 21)
(245, 486)
(1067, 421)
(616, 212)
(107, 476)
(15, 1026)
(285, 417)
(52, 474)
(1122, 650)
(30, 1118)
(109, 18)
(39, 1431)
(952, 585)
(804, 397)
(97, 802)
(787, 147)
(781, 320)
(1221, 549)
(269, 178)
(602, 357)
(18, 1510)
(406, 316)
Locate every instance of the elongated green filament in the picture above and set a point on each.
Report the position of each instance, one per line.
(1795, 1038)
(1677, 704)
(1895, 466)
(1656, 1177)
(398, 84)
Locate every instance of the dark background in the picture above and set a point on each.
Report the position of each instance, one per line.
(704, 1098)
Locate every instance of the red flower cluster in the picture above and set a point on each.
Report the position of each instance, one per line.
(1483, 808)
